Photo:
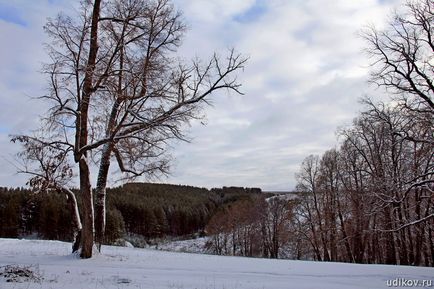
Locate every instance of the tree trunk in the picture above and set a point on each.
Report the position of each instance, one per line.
(76, 221)
(100, 202)
(350, 256)
(82, 136)
(88, 216)
(100, 192)
(390, 252)
(431, 245)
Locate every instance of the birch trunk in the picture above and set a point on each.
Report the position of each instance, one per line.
(100, 192)
(76, 220)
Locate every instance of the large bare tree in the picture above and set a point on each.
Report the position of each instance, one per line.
(118, 91)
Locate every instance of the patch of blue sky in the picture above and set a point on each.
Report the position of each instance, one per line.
(11, 14)
(306, 33)
(384, 1)
(56, 2)
(4, 129)
(253, 13)
(281, 83)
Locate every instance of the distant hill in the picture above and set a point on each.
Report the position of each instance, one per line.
(150, 210)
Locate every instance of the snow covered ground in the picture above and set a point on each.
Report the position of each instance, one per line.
(197, 246)
(121, 267)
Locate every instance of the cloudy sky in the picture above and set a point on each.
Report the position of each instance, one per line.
(305, 75)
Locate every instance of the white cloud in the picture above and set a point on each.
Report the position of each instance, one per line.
(214, 11)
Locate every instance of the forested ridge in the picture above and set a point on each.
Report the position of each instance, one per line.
(145, 209)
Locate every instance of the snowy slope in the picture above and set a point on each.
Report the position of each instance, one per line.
(121, 267)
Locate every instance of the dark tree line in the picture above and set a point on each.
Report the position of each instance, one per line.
(161, 210)
(23, 213)
(148, 210)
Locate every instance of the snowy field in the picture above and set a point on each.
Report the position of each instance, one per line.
(121, 267)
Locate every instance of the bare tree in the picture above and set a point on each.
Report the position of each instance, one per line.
(276, 219)
(74, 76)
(255, 227)
(313, 205)
(398, 177)
(377, 189)
(402, 134)
(151, 94)
(50, 170)
(403, 58)
(118, 92)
